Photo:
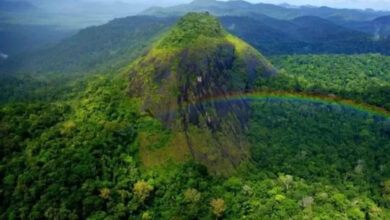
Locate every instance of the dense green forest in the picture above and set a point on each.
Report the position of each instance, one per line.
(72, 146)
(79, 158)
(364, 78)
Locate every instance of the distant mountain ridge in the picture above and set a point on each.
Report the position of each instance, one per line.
(16, 6)
(383, 20)
(379, 27)
(92, 48)
(243, 8)
(119, 40)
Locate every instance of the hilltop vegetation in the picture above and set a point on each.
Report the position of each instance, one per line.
(190, 28)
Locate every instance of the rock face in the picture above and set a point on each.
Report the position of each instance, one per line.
(186, 79)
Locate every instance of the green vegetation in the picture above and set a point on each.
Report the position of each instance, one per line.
(327, 146)
(364, 78)
(190, 28)
(80, 158)
(89, 146)
(40, 87)
(194, 60)
(118, 42)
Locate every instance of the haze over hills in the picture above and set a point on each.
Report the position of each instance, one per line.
(85, 52)
(243, 8)
(41, 27)
(27, 25)
(360, 20)
(302, 35)
(119, 41)
(71, 14)
(16, 6)
(379, 27)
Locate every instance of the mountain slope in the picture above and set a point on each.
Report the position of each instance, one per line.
(92, 48)
(303, 35)
(316, 29)
(16, 38)
(382, 26)
(195, 61)
(379, 27)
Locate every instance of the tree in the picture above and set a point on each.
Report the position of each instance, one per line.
(386, 187)
(142, 190)
(287, 180)
(146, 216)
(105, 193)
(307, 201)
(218, 206)
(192, 196)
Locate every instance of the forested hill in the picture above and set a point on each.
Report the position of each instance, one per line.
(303, 35)
(93, 48)
(195, 60)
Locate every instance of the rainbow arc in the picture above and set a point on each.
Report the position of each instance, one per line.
(296, 96)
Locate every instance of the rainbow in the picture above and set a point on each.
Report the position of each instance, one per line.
(296, 96)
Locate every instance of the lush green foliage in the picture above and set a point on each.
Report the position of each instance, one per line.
(191, 27)
(40, 87)
(73, 147)
(50, 159)
(327, 146)
(79, 159)
(364, 78)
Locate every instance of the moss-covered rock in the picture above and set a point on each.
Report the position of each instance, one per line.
(198, 60)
